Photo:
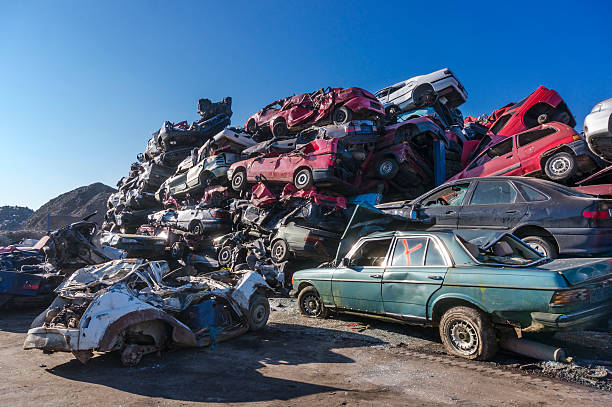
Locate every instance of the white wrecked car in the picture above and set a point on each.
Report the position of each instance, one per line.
(136, 307)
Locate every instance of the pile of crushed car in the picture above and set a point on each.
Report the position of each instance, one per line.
(336, 177)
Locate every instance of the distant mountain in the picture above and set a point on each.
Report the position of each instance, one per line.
(13, 217)
(71, 206)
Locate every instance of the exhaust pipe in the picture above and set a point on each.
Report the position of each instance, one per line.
(535, 350)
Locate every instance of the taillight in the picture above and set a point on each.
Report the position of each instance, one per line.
(311, 239)
(30, 286)
(332, 160)
(570, 296)
(220, 214)
(596, 214)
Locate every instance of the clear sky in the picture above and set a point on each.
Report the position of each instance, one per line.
(84, 83)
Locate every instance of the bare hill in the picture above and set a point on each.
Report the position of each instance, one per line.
(71, 206)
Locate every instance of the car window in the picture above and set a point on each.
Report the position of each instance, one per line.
(409, 252)
(534, 135)
(434, 256)
(501, 122)
(530, 194)
(449, 196)
(507, 250)
(497, 150)
(371, 253)
(493, 193)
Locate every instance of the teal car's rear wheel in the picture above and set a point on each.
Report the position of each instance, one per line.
(466, 332)
(311, 304)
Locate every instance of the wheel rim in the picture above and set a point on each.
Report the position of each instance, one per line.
(197, 230)
(258, 314)
(538, 248)
(312, 305)
(301, 179)
(237, 180)
(225, 255)
(560, 166)
(386, 168)
(279, 251)
(463, 336)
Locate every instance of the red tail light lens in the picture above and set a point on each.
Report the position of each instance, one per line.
(570, 296)
(596, 214)
(220, 214)
(311, 239)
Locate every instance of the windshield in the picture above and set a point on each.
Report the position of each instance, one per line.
(497, 248)
(411, 114)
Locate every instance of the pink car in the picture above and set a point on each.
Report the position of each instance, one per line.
(322, 162)
(554, 150)
(295, 113)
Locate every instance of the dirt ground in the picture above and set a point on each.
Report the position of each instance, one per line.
(346, 360)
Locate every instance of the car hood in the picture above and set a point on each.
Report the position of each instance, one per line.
(580, 271)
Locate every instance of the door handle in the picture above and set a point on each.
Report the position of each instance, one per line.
(509, 156)
(435, 277)
(449, 212)
(376, 275)
(512, 211)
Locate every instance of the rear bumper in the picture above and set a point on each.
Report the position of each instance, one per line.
(326, 177)
(584, 241)
(573, 321)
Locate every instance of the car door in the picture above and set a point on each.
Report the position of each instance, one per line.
(531, 144)
(415, 271)
(493, 204)
(500, 159)
(356, 283)
(444, 205)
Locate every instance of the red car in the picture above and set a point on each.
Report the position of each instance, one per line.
(295, 113)
(553, 149)
(542, 106)
(322, 162)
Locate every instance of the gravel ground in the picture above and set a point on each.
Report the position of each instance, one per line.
(294, 361)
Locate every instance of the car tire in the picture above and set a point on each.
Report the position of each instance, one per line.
(279, 251)
(196, 228)
(560, 166)
(310, 303)
(251, 126)
(206, 179)
(341, 115)
(239, 180)
(387, 168)
(467, 332)
(303, 179)
(259, 312)
(542, 245)
(224, 257)
(279, 130)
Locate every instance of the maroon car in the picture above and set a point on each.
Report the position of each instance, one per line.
(324, 162)
(295, 113)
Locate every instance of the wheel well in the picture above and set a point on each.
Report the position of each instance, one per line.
(547, 155)
(530, 230)
(447, 303)
(241, 168)
(303, 285)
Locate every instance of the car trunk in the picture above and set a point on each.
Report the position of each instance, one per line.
(581, 271)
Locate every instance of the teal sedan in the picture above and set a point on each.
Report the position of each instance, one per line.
(473, 285)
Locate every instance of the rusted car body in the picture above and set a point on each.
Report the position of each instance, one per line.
(136, 307)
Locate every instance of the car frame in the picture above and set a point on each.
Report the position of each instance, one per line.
(598, 129)
(475, 294)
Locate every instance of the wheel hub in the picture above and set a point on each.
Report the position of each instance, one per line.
(312, 305)
(301, 179)
(560, 165)
(386, 168)
(463, 337)
(538, 248)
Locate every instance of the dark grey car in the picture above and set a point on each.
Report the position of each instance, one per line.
(551, 218)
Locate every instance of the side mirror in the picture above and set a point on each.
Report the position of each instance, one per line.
(346, 262)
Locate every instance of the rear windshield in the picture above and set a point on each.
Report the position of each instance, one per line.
(504, 250)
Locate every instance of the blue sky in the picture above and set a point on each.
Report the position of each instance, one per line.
(83, 84)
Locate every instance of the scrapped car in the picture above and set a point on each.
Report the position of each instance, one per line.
(419, 90)
(553, 150)
(475, 286)
(152, 175)
(542, 106)
(321, 162)
(135, 308)
(197, 172)
(292, 114)
(197, 219)
(551, 218)
(300, 241)
(598, 129)
(173, 135)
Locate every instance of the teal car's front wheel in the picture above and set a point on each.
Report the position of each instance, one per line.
(311, 304)
(466, 332)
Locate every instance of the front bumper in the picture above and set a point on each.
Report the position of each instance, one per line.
(52, 339)
(578, 320)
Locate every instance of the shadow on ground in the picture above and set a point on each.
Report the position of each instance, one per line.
(230, 371)
(17, 320)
